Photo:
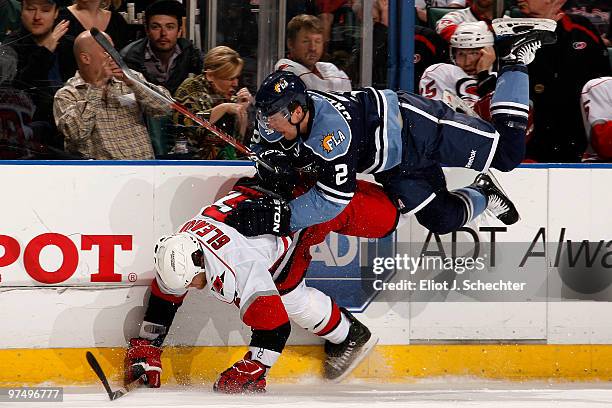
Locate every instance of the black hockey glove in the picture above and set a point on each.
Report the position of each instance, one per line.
(261, 216)
(282, 180)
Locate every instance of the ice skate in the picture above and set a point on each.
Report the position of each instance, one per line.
(343, 358)
(518, 39)
(498, 203)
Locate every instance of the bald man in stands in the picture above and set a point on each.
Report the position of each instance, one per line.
(100, 111)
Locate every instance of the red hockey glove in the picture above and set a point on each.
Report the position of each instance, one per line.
(143, 357)
(245, 376)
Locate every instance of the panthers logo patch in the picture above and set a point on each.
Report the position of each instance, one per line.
(330, 141)
(280, 85)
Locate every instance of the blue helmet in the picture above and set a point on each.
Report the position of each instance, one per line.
(281, 91)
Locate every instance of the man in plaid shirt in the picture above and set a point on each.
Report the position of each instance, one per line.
(100, 111)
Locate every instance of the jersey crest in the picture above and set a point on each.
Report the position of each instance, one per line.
(330, 136)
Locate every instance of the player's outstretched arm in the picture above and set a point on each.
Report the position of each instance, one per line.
(144, 352)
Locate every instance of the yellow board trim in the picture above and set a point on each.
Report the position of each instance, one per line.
(199, 365)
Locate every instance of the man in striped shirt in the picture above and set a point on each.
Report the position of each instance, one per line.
(100, 112)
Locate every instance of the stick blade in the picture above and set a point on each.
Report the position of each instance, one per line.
(95, 366)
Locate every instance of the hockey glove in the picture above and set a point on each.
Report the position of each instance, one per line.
(143, 357)
(261, 216)
(280, 181)
(245, 376)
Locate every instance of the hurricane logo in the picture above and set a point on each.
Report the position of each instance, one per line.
(580, 45)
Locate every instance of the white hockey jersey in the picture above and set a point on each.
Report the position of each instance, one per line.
(237, 267)
(596, 102)
(330, 78)
(448, 77)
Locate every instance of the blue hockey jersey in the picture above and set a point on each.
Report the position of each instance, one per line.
(362, 132)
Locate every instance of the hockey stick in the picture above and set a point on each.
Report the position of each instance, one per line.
(113, 395)
(108, 47)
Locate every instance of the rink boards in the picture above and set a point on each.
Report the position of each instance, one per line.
(76, 262)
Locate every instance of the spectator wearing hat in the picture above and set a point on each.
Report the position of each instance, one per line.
(45, 62)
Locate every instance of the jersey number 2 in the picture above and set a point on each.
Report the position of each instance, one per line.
(341, 173)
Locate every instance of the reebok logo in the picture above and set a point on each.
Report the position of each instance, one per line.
(471, 159)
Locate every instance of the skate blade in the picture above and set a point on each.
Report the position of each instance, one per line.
(505, 26)
(365, 350)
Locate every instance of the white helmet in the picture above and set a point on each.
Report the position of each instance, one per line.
(472, 35)
(178, 258)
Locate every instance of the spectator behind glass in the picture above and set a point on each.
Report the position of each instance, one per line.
(556, 78)
(9, 17)
(45, 63)
(99, 111)
(85, 14)
(213, 96)
(162, 57)
(480, 10)
(596, 102)
(16, 109)
(305, 43)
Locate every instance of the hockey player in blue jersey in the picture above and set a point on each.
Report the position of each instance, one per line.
(401, 138)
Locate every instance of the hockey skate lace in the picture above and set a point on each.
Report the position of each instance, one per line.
(341, 361)
(497, 206)
(527, 53)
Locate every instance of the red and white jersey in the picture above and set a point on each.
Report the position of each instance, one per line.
(448, 77)
(596, 102)
(329, 79)
(237, 267)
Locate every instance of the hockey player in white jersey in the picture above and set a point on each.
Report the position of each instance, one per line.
(264, 278)
(470, 76)
(596, 102)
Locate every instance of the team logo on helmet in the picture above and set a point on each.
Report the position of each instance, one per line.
(280, 85)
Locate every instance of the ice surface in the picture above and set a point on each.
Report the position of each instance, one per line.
(436, 394)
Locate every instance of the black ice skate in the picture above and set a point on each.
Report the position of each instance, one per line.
(343, 358)
(518, 39)
(498, 202)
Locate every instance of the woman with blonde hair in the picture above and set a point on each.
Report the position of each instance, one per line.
(85, 14)
(215, 96)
